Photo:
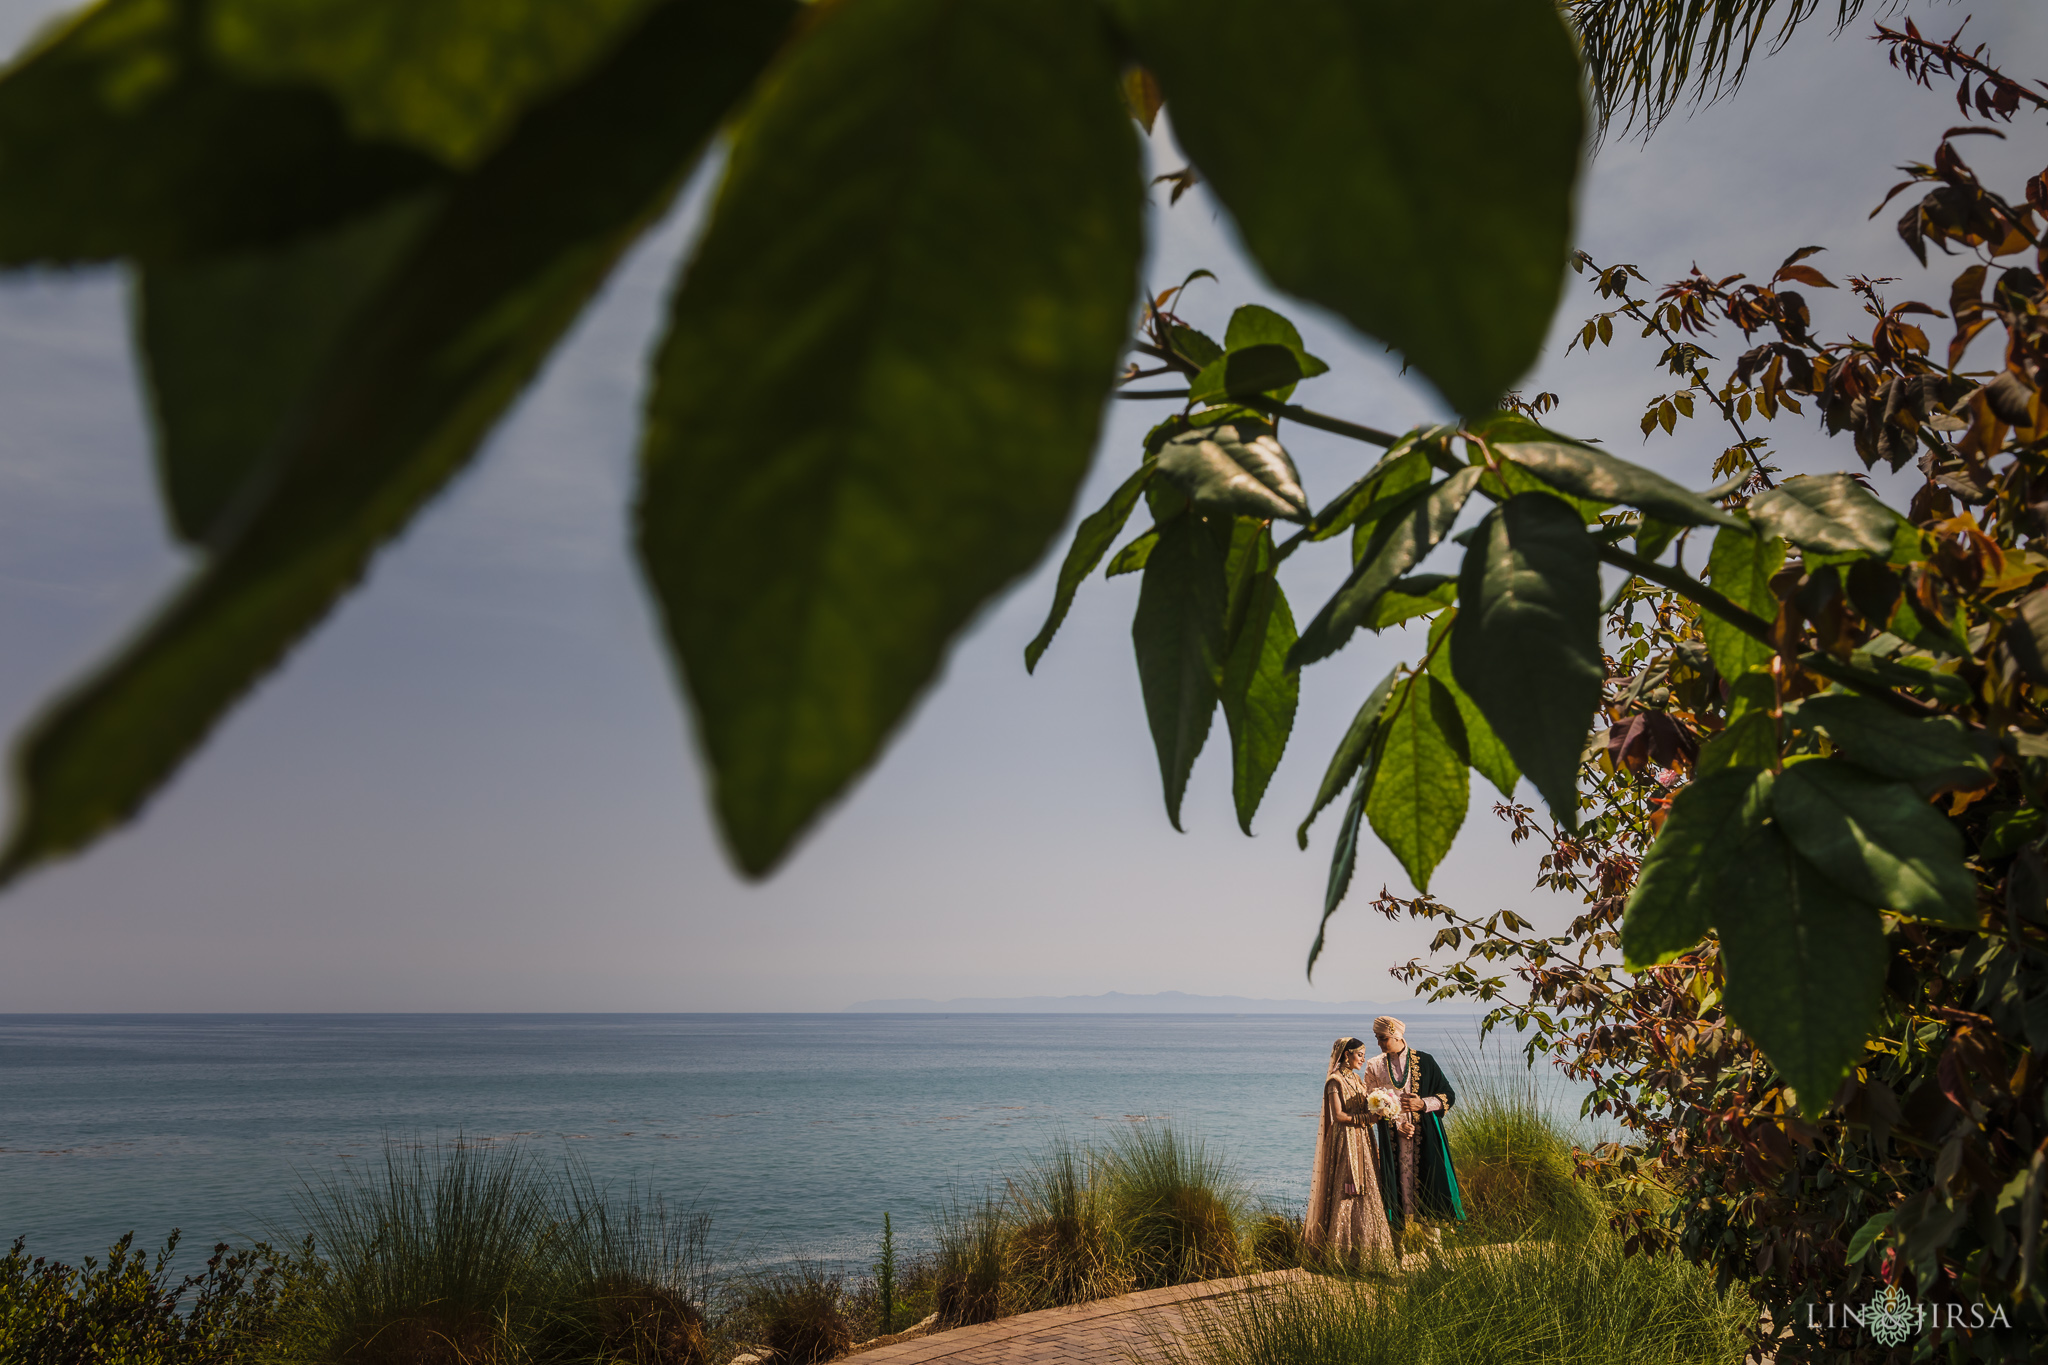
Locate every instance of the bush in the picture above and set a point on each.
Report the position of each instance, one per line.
(1275, 1241)
(798, 1313)
(1508, 1305)
(129, 1312)
(968, 1279)
(1514, 1161)
(465, 1255)
(1063, 1246)
(1176, 1207)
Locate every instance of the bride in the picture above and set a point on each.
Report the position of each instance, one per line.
(1346, 1216)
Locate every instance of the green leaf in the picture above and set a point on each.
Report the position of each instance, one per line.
(1750, 739)
(1258, 694)
(1740, 567)
(1407, 598)
(121, 136)
(231, 343)
(2007, 831)
(1595, 476)
(1654, 537)
(1526, 644)
(1915, 675)
(426, 370)
(1934, 753)
(1352, 750)
(1440, 225)
(1866, 1236)
(1712, 821)
(1265, 369)
(1132, 557)
(1193, 346)
(1253, 325)
(1877, 840)
(1343, 859)
(1091, 539)
(1804, 964)
(1421, 787)
(449, 77)
(1385, 486)
(1400, 539)
(883, 377)
(1237, 468)
(1483, 750)
(1830, 513)
(1179, 635)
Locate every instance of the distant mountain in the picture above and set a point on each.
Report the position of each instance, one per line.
(1163, 1002)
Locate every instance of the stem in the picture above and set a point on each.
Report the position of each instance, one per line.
(1684, 584)
(1321, 421)
(1152, 393)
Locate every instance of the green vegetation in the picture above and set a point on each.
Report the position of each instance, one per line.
(1568, 1303)
(1514, 1161)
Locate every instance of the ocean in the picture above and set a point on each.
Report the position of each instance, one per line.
(795, 1133)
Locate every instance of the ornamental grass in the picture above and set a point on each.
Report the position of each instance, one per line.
(1582, 1303)
(1513, 1155)
(1178, 1206)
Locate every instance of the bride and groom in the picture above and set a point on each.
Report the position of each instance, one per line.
(1382, 1163)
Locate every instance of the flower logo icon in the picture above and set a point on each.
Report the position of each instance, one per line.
(1891, 1317)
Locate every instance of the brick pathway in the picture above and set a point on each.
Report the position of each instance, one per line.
(1107, 1330)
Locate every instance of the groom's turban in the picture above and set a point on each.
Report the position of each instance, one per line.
(1385, 1022)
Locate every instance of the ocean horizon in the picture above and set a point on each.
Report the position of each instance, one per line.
(795, 1133)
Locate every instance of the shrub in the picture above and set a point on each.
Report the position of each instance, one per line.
(127, 1311)
(1176, 1207)
(799, 1313)
(1588, 1304)
(1514, 1163)
(1275, 1240)
(968, 1278)
(1063, 1247)
(458, 1254)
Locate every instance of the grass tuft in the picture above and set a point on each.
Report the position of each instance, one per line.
(1063, 1246)
(1177, 1206)
(1513, 1156)
(799, 1314)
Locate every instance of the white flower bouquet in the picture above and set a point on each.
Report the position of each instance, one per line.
(1384, 1104)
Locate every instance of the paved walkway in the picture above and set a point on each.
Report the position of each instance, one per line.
(1107, 1330)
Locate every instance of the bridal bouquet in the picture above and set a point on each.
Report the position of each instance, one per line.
(1384, 1104)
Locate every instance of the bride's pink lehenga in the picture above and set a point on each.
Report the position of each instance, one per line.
(1346, 1217)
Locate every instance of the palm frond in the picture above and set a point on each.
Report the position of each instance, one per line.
(1646, 57)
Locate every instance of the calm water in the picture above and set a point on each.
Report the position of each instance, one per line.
(795, 1132)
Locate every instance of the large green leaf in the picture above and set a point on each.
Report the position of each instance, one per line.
(1804, 964)
(1435, 217)
(1422, 785)
(1400, 539)
(1352, 751)
(1343, 858)
(1595, 476)
(1384, 487)
(231, 344)
(121, 136)
(883, 376)
(1407, 598)
(443, 349)
(1258, 693)
(1750, 739)
(1829, 513)
(1705, 837)
(1483, 750)
(1879, 841)
(1091, 541)
(1526, 644)
(1740, 567)
(1256, 328)
(447, 76)
(1238, 468)
(1180, 639)
(1934, 753)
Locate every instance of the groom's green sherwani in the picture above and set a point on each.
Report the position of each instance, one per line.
(1436, 1183)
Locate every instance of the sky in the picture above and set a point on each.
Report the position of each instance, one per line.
(474, 787)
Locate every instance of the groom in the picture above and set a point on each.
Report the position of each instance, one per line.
(1416, 1178)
